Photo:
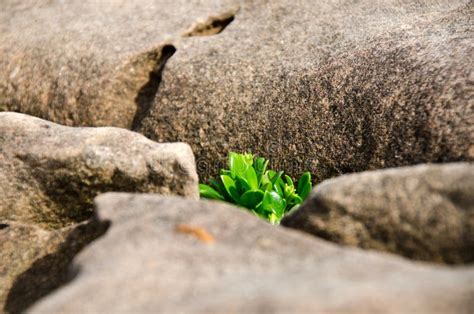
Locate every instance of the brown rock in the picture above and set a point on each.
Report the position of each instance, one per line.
(423, 212)
(144, 264)
(90, 62)
(49, 174)
(332, 87)
(35, 261)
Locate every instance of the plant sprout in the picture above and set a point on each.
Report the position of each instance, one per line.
(268, 194)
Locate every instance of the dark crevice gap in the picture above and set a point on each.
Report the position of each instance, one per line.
(146, 94)
(3, 226)
(212, 26)
(54, 270)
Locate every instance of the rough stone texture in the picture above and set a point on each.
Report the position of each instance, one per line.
(49, 174)
(34, 261)
(90, 62)
(145, 264)
(331, 87)
(423, 212)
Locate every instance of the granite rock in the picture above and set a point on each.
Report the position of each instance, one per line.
(50, 174)
(424, 212)
(91, 63)
(164, 254)
(334, 87)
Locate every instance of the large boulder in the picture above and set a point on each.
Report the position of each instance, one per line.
(331, 87)
(174, 255)
(49, 176)
(91, 62)
(423, 212)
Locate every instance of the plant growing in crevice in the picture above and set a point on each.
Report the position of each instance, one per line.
(267, 193)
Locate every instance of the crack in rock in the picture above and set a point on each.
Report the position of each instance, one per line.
(147, 93)
(213, 25)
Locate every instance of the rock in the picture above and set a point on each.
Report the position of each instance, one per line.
(423, 212)
(35, 261)
(90, 62)
(164, 254)
(49, 174)
(337, 87)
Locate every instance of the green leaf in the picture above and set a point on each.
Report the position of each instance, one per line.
(242, 185)
(237, 165)
(272, 202)
(230, 187)
(279, 190)
(207, 192)
(277, 175)
(251, 199)
(218, 186)
(247, 158)
(260, 165)
(251, 178)
(289, 181)
(304, 185)
(297, 199)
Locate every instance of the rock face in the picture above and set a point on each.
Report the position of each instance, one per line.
(337, 87)
(49, 174)
(90, 62)
(175, 255)
(423, 212)
(35, 261)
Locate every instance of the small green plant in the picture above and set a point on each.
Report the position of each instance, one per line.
(248, 183)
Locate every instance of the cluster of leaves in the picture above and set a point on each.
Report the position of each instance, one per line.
(267, 193)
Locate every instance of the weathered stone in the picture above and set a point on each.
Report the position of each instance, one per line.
(423, 212)
(331, 87)
(49, 174)
(90, 62)
(174, 255)
(35, 261)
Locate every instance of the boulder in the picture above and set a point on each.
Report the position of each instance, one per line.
(423, 212)
(333, 87)
(337, 87)
(35, 261)
(91, 63)
(167, 254)
(50, 174)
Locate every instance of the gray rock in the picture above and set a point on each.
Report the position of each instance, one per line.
(423, 212)
(173, 255)
(35, 261)
(333, 87)
(90, 62)
(49, 174)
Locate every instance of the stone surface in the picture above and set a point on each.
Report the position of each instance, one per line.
(49, 174)
(155, 258)
(332, 87)
(34, 261)
(423, 212)
(90, 62)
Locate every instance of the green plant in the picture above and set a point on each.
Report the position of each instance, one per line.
(268, 194)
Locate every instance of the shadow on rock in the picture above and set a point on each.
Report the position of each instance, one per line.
(53, 270)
